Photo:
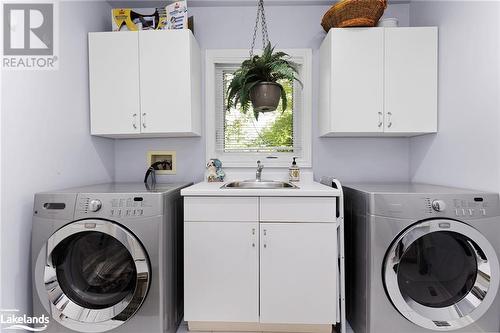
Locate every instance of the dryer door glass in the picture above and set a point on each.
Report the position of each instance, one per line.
(96, 275)
(94, 269)
(438, 269)
(441, 274)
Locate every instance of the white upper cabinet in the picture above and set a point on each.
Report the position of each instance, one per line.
(378, 81)
(411, 80)
(352, 81)
(145, 84)
(114, 83)
(170, 82)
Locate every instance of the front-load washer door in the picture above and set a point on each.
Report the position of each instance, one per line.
(441, 274)
(97, 275)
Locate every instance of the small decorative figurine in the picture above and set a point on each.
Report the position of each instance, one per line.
(215, 172)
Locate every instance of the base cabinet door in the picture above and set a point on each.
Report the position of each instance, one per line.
(298, 273)
(221, 270)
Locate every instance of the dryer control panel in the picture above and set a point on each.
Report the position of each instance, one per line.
(478, 206)
(421, 206)
(117, 206)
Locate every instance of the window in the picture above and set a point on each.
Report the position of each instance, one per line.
(238, 139)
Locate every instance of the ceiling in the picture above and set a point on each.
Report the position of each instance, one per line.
(228, 3)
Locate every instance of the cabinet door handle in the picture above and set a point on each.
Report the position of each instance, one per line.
(253, 231)
(264, 232)
(389, 119)
(380, 119)
(134, 120)
(144, 120)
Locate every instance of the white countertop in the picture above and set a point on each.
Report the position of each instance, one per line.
(306, 189)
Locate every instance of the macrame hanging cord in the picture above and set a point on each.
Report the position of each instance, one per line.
(261, 17)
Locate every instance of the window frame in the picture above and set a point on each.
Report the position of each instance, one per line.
(214, 58)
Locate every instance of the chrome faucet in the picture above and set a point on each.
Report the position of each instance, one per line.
(258, 173)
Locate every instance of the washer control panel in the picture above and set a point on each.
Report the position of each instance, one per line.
(126, 207)
(421, 206)
(478, 207)
(113, 206)
(463, 207)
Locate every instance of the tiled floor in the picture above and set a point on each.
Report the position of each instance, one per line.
(183, 328)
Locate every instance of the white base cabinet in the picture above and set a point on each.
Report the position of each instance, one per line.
(298, 273)
(282, 271)
(221, 271)
(378, 82)
(145, 84)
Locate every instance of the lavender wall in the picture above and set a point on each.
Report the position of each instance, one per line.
(350, 159)
(46, 143)
(45, 129)
(466, 150)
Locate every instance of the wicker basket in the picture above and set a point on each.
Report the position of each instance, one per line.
(354, 13)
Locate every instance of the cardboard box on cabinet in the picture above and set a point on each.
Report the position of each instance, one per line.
(173, 16)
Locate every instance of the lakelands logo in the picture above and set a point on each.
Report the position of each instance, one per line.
(12, 320)
(29, 36)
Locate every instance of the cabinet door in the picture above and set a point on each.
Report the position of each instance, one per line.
(114, 83)
(411, 80)
(298, 273)
(166, 99)
(221, 273)
(357, 80)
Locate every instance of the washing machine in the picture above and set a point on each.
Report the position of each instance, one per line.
(108, 258)
(422, 258)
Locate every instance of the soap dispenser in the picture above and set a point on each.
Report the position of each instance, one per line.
(294, 172)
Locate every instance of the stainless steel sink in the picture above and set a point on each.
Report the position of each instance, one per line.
(265, 184)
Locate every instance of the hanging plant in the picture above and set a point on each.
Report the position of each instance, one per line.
(256, 81)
